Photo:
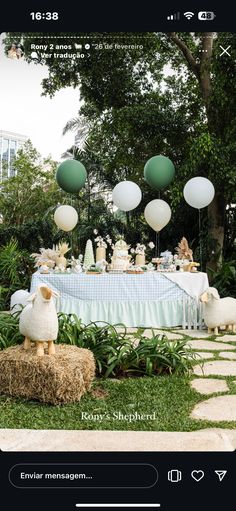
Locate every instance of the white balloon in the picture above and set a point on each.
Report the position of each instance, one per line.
(157, 214)
(66, 218)
(199, 192)
(126, 195)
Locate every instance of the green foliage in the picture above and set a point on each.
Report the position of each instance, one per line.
(146, 101)
(224, 279)
(31, 235)
(9, 330)
(118, 354)
(28, 194)
(3, 296)
(15, 270)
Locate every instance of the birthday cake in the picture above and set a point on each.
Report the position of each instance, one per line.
(121, 258)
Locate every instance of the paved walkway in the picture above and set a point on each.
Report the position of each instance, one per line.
(48, 440)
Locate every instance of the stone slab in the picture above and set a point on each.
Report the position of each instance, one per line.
(228, 354)
(208, 345)
(204, 355)
(216, 368)
(129, 330)
(209, 385)
(211, 439)
(170, 335)
(219, 408)
(228, 338)
(198, 334)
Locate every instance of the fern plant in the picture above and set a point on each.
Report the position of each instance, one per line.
(15, 269)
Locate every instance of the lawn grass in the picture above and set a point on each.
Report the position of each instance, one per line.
(170, 397)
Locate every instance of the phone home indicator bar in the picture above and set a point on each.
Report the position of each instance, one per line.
(117, 505)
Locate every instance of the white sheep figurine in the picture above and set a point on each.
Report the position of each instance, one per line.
(18, 300)
(39, 321)
(218, 312)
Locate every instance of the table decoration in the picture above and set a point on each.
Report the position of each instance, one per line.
(120, 259)
(88, 255)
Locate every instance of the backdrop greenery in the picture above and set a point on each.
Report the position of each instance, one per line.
(171, 94)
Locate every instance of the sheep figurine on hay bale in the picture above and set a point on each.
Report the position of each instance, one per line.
(218, 311)
(39, 321)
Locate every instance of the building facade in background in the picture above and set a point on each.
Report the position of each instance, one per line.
(9, 144)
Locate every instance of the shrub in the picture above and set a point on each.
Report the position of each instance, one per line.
(224, 279)
(16, 267)
(117, 354)
(9, 330)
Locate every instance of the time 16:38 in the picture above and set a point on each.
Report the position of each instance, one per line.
(48, 16)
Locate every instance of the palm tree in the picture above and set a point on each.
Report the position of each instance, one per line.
(81, 126)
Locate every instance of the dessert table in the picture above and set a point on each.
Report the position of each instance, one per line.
(151, 299)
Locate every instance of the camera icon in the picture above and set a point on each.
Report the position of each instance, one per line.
(174, 476)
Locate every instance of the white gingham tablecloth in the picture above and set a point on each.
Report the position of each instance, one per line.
(117, 287)
(147, 300)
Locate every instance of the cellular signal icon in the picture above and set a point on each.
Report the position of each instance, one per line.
(175, 16)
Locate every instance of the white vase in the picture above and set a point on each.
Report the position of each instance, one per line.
(61, 260)
(140, 260)
(100, 254)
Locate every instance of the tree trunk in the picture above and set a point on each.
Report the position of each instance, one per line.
(202, 71)
(216, 214)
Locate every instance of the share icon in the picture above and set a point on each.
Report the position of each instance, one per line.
(221, 474)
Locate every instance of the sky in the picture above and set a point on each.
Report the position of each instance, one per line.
(23, 110)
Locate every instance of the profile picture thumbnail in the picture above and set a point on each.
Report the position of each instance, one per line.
(15, 51)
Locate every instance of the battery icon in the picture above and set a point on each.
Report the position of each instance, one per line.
(206, 15)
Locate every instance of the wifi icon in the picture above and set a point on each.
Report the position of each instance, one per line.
(188, 15)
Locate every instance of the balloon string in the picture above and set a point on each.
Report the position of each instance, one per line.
(71, 232)
(157, 251)
(158, 234)
(200, 237)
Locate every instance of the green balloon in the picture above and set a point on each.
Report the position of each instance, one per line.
(71, 176)
(159, 171)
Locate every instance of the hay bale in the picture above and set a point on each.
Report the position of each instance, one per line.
(56, 379)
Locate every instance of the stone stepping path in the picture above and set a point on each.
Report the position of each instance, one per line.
(220, 408)
(204, 355)
(209, 385)
(170, 335)
(209, 345)
(213, 409)
(216, 368)
(228, 338)
(228, 354)
(198, 334)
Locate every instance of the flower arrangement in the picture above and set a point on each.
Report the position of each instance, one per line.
(141, 248)
(45, 257)
(101, 242)
(52, 257)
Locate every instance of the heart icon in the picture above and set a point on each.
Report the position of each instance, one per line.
(197, 475)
